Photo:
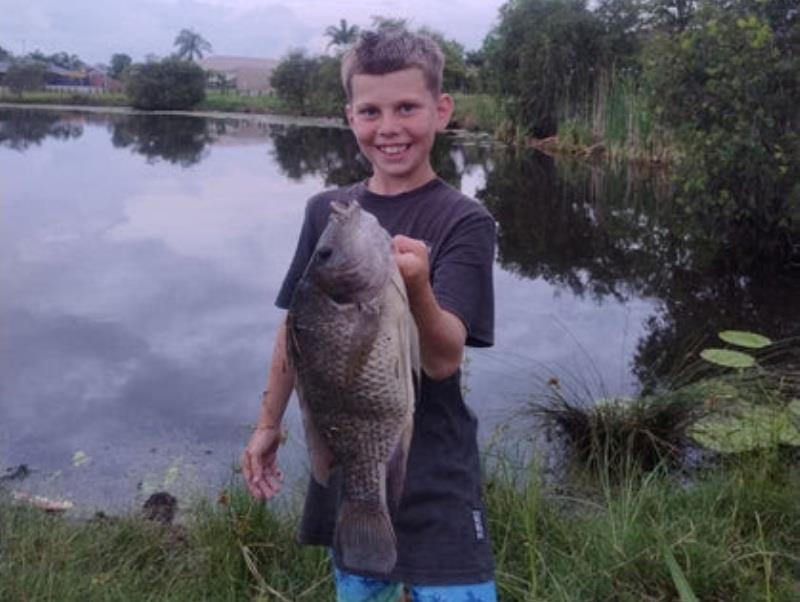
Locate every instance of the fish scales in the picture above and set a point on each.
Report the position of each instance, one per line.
(352, 341)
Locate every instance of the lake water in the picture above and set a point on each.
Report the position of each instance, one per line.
(140, 257)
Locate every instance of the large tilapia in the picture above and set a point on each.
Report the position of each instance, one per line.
(353, 343)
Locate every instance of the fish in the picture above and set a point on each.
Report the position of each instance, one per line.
(354, 346)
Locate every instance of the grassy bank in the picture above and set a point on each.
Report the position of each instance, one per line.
(108, 99)
(474, 112)
(732, 534)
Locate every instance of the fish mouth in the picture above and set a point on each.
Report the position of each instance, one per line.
(344, 208)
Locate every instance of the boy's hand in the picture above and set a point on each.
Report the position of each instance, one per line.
(259, 463)
(411, 256)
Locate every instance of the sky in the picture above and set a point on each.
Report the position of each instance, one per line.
(96, 29)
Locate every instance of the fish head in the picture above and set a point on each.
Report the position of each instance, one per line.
(353, 258)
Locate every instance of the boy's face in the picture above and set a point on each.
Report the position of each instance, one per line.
(395, 118)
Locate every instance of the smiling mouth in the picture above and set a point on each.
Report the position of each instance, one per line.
(393, 149)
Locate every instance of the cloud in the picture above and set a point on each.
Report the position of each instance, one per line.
(95, 30)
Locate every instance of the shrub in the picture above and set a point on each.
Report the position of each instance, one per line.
(168, 84)
(25, 76)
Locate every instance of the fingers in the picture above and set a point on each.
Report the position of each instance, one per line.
(263, 479)
(404, 244)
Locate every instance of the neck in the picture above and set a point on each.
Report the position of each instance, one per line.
(387, 186)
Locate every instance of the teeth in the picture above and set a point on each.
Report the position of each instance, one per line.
(393, 150)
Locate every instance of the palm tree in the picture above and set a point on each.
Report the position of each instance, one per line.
(191, 44)
(343, 35)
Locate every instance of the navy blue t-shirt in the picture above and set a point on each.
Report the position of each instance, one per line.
(441, 530)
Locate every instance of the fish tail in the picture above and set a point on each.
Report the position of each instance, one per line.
(365, 539)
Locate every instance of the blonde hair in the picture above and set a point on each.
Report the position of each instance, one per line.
(391, 49)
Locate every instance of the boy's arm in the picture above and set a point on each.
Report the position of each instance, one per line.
(259, 460)
(442, 334)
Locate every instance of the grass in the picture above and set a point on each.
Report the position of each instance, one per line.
(238, 550)
(623, 434)
(617, 123)
(217, 101)
(732, 534)
(107, 99)
(477, 112)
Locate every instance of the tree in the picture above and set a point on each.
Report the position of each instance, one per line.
(22, 76)
(728, 86)
(291, 79)
(454, 78)
(344, 35)
(66, 61)
(120, 63)
(5, 55)
(545, 56)
(191, 45)
(169, 84)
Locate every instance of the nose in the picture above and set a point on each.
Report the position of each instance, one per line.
(389, 126)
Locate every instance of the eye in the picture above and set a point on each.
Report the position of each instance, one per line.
(407, 107)
(324, 253)
(367, 112)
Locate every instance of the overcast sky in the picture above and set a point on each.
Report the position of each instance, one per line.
(95, 29)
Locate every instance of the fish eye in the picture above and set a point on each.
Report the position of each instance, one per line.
(324, 253)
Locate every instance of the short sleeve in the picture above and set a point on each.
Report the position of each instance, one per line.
(305, 248)
(462, 276)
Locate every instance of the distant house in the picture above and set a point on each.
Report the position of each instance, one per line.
(249, 75)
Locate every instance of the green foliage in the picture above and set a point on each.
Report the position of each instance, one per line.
(24, 76)
(728, 86)
(728, 358)
(545, 56)
(309, 85)
(747, 427)
(191, 45)
(65, 60)
(454, 77)
(742, 338)
(581, 542)
(171, 84)
(120, 63)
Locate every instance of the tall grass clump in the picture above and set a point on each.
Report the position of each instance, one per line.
(730, 535)
(478, 112)
(621, 434)
(618, 119)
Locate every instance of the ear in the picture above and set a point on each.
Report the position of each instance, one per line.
(444, 111)
(348, 111)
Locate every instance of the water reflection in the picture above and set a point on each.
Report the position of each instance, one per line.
(145, 296)
(181, 139)
(619, 234)
(21, 129)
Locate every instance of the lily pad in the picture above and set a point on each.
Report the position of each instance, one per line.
(728, 358)
(748, 428)
(742, 338)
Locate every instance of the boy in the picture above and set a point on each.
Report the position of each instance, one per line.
(444, 248)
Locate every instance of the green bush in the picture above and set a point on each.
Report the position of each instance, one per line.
(168, 84)
(309, 85)
(25, 76)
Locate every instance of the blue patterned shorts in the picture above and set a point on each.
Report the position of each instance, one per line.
(355, 588)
